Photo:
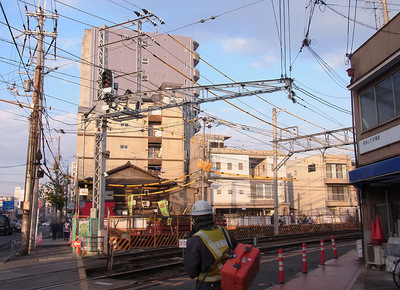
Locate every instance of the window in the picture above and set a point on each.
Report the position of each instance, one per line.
(339, 170)
(269, 191)
(230, 191)
(337, 193)
(124, 124)
(241, 191)
(216, 144)
(145, 78)
(336, 170)
(124, 147)
(218, 165)
(155, 170)
(145, 60)
(229, 166)
(154, 151)
(259, 191)
(218, 191)
(153, 130)
(329, 170)
(311, 168)
(385, 101)
(380, 102)
(240, 166)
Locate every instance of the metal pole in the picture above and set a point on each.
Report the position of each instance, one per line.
(275, 163)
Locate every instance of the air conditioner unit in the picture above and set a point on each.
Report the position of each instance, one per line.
(145, 203)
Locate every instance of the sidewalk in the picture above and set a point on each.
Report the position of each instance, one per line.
(47, 250)
(346, 272)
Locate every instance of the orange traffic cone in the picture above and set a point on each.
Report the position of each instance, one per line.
(378, 231)
(372, 230)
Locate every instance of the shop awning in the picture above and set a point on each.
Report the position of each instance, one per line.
(383, 172)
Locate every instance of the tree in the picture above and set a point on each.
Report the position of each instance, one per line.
(53, 193)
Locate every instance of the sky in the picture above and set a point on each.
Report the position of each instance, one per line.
(246, 40)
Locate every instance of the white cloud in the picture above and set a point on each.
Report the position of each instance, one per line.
(68, 43)
(265, 62)
(240, 44)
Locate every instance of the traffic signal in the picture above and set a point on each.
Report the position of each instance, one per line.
(107, 79)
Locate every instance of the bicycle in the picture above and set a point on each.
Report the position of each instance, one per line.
(396, 273)
(394, 250)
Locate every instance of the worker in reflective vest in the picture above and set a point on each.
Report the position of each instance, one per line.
(207, 248)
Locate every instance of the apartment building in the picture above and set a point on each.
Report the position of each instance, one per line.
(240, 181)
(321, 188)
(158, 142)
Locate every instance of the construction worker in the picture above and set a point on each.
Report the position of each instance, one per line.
(207, 249)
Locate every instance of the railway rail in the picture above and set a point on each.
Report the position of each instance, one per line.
(137, 264)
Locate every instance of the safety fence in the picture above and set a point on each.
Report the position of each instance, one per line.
(127, 232)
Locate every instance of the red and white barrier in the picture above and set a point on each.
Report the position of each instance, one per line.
(39, 238)
(281, 281)
(322, 253)
(304, 259)
(334, 247)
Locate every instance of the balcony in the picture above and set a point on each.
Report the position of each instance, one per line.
(196, 59)
(195, 45)
(155, 136)
(196, 74)
(154, 118)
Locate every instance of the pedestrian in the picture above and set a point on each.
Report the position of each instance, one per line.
(54, 229)
(207, 248)
(66, 229)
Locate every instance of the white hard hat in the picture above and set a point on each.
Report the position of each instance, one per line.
(201, 207)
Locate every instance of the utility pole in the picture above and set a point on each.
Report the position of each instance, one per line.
(385, 11)
(275, 167)
(34, 154)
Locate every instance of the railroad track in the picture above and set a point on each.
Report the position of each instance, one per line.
(140, 265)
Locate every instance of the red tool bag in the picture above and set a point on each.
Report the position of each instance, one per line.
(240, 271)
(242, 267)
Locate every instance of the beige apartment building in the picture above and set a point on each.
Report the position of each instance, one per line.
(158, 141)
(321, 187)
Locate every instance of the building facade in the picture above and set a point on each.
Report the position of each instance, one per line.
(321, 188)
(157, 142)
(240, 182)
(375, 88)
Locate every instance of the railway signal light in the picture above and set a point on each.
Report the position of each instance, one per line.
(107, 79)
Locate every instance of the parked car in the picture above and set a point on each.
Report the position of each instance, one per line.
(5, 225)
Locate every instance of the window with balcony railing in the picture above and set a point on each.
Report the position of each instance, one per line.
(338, 193)
(155, 170)
(154, 153)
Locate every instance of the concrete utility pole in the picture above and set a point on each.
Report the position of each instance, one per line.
(35, 124)
(385, 11)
